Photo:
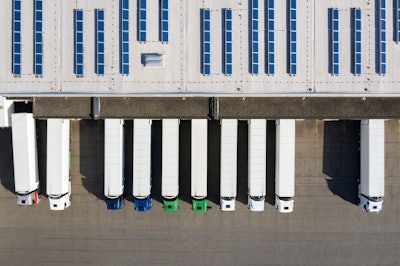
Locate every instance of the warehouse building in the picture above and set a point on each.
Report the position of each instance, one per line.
(190, 59)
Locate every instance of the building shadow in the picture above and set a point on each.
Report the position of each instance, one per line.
(184, 161)
(271, 150)
(156, 160)
(6, 159)
(341, 158)
(91, 149)
(214, 161)
(242, 161)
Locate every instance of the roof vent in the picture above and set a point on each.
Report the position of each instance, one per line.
(153, 60)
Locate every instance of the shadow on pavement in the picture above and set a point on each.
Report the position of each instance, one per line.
(156, 160)
(341, 158)
(6, 159)
(91, 147)
(184, 161)
(41, 131)
(214, 161)
(271, 142)
(128, 170)
(242, 158)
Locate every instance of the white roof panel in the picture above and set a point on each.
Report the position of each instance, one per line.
(181, 73)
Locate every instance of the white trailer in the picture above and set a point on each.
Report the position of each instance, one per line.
(114, 163)
(6, 109)
(257, 160)
(229, 129)
(142, 164)
(26, 174)
(58, 186)
(199, 164)
(285, 164)
(371, 188)
(170, 164)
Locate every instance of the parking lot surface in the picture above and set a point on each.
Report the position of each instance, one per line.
(325, 228)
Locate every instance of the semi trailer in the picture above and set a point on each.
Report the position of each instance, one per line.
(170, 164)
(229, 129)
(6, 109)
(257, 168)
(58, 185)
(285, 164)
(142, 164)
(114, 163)
(371, 186)
(26, 176)
(199, 164)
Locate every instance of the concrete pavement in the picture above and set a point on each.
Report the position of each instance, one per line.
(325, 228)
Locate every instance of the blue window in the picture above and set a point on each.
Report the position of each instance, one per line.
(227, 41)
(99, 41)
(333, 30)
(253, 40)
(141, 21)
(16, 38)
(78, 42)
(205, 52)
(163, 21)
(270, 38)
(396, 17)
(37, 38)
(291, 37)
(123, 37)
(355, 27)
(380, 16)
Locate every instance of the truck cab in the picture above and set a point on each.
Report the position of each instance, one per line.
(284, 204)
(115, 203)
(60, 202)
(199, 205)
(227, 203)
(369, 204)
(143, 205)
(171, 205)
(28, 199)
(256, 204)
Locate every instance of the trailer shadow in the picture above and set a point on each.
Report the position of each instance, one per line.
(214, 161)
(128, 157)
(91, 149)
(271, 150)
(184, 161)
(41, 131)
(6, 159)
(156, 160)
(242, 162)
(341, 158)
